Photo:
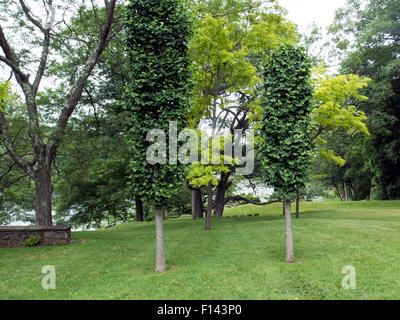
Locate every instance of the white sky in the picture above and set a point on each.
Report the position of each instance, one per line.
(305, 12)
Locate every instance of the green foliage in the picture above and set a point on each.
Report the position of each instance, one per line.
(33, 241)
(4, 92)
(158, 89)
(286, 128)
(17, 195)
(201, 174)
(230, 40)
(374, 53)
(92, 174)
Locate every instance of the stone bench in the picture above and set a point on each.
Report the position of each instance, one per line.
(12, 237)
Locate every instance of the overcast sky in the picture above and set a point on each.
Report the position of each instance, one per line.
(305, 12)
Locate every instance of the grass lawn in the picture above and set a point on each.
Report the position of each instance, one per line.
(240, 258)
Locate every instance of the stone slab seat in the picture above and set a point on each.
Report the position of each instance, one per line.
(15, 236)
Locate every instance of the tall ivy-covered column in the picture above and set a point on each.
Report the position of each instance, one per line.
(286, 127)
(157, 93)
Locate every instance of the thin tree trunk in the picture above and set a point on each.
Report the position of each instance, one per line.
(44, 192)
(139, 210)
(199, 203)
(297, 203)
(346, 197)
(194, 207)
(353, 191)
(338, 193)
(283, 208)
(209, 206)
(289, 234)
(160, 255)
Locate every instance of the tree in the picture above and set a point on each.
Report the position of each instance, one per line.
(367, 34)
(230, 40)
(16, 194)
(286, 128)
(45, 144)
(158, 93)
(91, 174)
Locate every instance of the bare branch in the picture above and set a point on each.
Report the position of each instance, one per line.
(8, 144)
(28, 14)
(10, 57)
(76, 92)
(240, 198)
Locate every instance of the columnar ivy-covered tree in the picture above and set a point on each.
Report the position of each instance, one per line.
(286, 127)
(157, 93)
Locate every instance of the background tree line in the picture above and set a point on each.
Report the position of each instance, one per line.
(89, 161)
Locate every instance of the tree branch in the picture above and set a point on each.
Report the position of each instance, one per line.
(27, 13)
(76, 92)
(7, 142)
(240, 198)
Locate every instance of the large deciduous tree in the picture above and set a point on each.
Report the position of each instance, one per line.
(45, 142)
(286, 128)
(158, 93)
(230, 40)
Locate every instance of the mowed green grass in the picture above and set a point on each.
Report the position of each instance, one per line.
(240, 258)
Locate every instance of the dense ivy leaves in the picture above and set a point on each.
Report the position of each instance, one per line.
(286, 127)
(157, 93)
(158, 90)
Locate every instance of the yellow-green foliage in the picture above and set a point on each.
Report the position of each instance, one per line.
(225, 50)
(200, 174)
(4, 92)
(333, 108)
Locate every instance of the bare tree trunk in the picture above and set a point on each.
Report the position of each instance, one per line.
(194, 213)
(338, 193)
(297, 203)
(160, 255)
(223, 185)
(353, 191)
(197, 204)
(44, 192)
(139, 210)
(289, 234)
(209, 206)
(346, 197)
(283, 208)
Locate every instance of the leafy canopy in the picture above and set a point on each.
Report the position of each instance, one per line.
(158, 89)
(286, 128)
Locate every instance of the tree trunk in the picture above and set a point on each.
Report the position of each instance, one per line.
(139, 210)
(209, 206)
(289, 234)
(44, 192)
(338, 193)
(283, 208)
(160, 255)
(297, 203)
(223, 185)
(346, 197)
(353, 191)
(194, 212)
(197, 204)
